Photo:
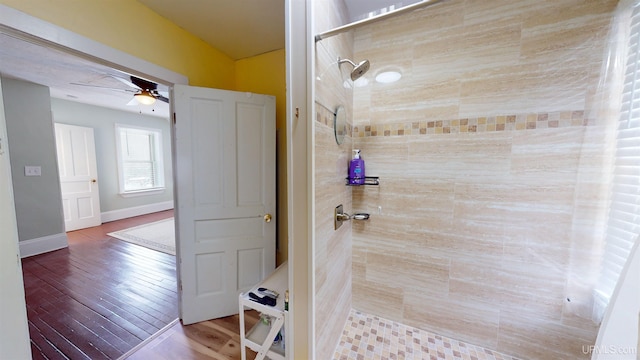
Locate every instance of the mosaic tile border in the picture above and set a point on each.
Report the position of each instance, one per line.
(560, 119)
(368, 337)
(325, 117)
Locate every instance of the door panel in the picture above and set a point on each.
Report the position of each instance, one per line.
(78, 176)
(249, 267)
(224, 161)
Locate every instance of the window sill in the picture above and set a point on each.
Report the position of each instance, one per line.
(146, 192)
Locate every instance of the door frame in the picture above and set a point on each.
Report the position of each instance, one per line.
(43, 33)
(40, 32)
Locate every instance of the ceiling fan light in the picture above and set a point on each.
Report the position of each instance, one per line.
(145, 98)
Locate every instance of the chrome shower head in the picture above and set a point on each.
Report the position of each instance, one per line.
(358, 69)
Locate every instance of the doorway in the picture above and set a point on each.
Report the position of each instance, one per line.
(24, 31)
(78, 172)
(151, 76)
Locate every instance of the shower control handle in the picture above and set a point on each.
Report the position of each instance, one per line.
(339, 216)
(343, 217)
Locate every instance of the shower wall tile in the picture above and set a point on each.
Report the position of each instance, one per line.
(433, 313)
(560, 341)
(405, 269)
(332, 248)
(492, 152)
(382, 299)
(333, 263)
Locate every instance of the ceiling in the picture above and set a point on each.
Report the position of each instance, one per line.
(61, 72)
(238, 28)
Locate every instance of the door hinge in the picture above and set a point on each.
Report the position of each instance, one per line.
(174, 118)
(180, 286)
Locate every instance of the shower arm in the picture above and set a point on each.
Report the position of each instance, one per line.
(340, 61)
(347, 27)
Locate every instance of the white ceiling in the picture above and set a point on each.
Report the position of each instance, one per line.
(60, 72)
(238, 28)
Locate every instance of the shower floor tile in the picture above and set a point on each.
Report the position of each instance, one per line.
(369, 337)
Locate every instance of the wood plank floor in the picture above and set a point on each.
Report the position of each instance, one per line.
(101, 297)
(216, 339)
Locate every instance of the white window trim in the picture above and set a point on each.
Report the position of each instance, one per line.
(159, 154)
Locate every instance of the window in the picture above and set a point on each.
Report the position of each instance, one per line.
(139, 152)
(624, 214)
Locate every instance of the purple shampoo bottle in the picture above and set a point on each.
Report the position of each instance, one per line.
(356, 169)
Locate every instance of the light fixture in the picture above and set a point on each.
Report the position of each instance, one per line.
(145, 97)
(388, 77)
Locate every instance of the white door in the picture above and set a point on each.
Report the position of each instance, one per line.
(78, 176)
(224, 169)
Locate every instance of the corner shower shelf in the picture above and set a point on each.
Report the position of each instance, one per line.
(368, 180)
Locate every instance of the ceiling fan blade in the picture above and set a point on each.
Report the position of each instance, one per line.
(127, 82)
(162, 98)
(102, 87)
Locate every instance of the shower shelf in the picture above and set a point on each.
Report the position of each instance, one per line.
(368, 180)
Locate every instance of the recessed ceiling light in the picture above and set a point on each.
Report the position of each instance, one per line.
(388, 77)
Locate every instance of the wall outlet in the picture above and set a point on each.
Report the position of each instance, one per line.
(32, 171)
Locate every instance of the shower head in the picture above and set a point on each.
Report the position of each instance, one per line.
(358, 69)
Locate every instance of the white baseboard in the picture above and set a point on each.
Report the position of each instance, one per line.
(43, 244)
(136, 211)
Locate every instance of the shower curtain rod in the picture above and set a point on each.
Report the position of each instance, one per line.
(389, 14)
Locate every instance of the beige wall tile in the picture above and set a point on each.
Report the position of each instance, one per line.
(479, 325)
(545, 340)
(491, 152)
(406, 269)
(384, 301)
(332, 249)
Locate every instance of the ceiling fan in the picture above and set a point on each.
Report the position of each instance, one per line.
(145, 92)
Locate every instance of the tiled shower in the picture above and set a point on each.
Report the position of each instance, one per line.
(492, 153)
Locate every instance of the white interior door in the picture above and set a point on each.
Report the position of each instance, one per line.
(78, 176)
(224, 169)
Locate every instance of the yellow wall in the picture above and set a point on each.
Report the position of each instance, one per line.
(131, 27)
(265, 74)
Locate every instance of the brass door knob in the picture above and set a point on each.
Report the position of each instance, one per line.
(94, 180)
(267, 218)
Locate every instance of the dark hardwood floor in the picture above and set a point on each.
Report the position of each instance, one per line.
(100, 297)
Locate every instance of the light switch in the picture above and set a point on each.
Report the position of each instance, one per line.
(32, 171)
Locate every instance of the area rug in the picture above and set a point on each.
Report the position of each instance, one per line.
(158, 235)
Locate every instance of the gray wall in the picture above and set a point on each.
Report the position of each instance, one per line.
(31, 139)
(103, 121)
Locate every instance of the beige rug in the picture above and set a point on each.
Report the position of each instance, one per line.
(159, 235)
